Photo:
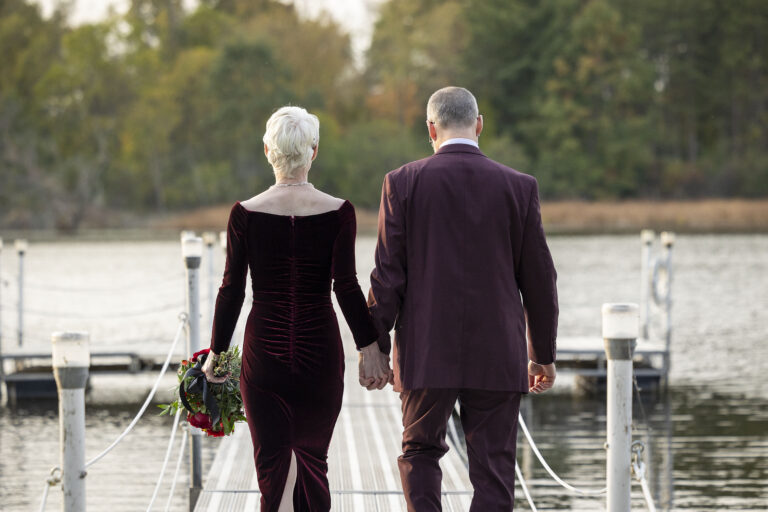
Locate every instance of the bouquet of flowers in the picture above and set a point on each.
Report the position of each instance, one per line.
(212, 407)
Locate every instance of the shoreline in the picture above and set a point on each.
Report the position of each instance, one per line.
(711, 216)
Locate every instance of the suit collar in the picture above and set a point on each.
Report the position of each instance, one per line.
(458, 148)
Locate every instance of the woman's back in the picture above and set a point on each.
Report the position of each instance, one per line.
(293, 260)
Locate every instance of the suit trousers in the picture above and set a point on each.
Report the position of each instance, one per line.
(489, 420)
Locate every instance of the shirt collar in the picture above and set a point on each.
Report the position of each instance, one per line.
(460, 140)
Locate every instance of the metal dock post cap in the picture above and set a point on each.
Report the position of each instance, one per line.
(209, 238)
(647, 236)
(192, 250)
(21, 245)
(71, 357)
(187, 234)
(621, 327)
(620, 320)
(667, 238)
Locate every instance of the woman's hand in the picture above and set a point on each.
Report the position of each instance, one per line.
(209, 365)
(373, 368)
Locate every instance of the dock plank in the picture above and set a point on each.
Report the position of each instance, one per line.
(362, 459)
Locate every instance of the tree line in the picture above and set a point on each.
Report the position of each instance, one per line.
(163, 108)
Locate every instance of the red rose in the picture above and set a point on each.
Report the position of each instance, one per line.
(199, 352)
(199, 420)
(215, 433)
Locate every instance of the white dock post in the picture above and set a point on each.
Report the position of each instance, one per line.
(71, 358)
(21, 247)
(2, 363)
(667, 242)
(192, 251)
(620, 329)
(210, 239)
(646, 237)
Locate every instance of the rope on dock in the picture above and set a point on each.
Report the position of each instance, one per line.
(178, 466)
(183, 318)
(586, 492)
(55, 478)
(638, 467)
(165, 460)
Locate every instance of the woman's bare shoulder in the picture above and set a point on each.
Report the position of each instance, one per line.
(331, 202)
(258, 202)
(290, 201)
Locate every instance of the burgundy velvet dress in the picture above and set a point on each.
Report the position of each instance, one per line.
(292, 376)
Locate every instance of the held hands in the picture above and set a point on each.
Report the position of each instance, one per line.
(208, 366)
(541, 377)
(373, 368)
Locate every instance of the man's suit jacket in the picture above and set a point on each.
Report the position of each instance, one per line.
(460, 240)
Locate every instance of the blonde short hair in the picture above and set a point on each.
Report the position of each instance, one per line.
(291, 138)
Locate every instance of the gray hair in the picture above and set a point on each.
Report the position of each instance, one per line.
(452, 107)
(291, 138)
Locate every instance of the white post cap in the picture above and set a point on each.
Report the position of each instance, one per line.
(1, 243)
(187, 234)
(70, 349)
(223, 239)
(621, 321)
(21, 245)
(192, 247)
(647, 236)
(209, 238)
(667, 238)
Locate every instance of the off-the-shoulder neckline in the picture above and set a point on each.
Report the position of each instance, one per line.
(337, 210)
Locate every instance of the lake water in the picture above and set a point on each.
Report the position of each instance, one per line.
(708, 437)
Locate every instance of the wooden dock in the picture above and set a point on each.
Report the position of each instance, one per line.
(362, 460)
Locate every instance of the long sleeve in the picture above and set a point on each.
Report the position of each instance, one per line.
(388, 279)
(537, 281)
(348, 293)
(232, 290)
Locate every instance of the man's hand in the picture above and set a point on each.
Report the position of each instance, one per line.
(373, 367)
(208, 366)
(541, 377)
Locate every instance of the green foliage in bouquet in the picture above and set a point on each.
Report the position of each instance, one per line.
(226, 394)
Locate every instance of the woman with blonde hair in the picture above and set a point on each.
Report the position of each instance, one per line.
(296, 240)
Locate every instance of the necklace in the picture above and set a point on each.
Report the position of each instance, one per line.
(299, 184)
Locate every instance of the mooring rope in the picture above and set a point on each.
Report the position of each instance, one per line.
(165, 460)
(639, 469)
(586, 492)
(183, 317)
(178, 467)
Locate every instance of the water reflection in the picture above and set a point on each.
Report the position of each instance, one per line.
(124, 479)
(708, 439)
(705, 449)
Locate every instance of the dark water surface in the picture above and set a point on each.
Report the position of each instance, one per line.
(707, 437)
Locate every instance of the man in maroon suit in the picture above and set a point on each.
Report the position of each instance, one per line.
(461, 264)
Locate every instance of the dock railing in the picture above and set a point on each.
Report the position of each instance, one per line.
(621, 327)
